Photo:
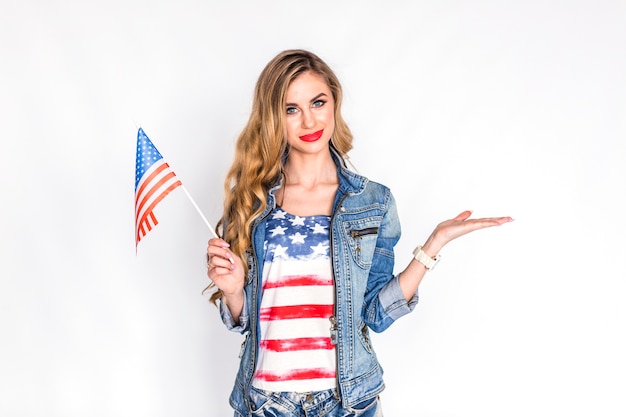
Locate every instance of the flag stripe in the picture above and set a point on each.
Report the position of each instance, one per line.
(296, 312)
(296, 374)
(145, 181)
(291, 296)
(154, 189)
(156, 201)
(156, 174)
(150, 222)
(303, 343)
(297, 281)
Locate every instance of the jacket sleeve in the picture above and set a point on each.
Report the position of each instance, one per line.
(228, 319)
(384, 301)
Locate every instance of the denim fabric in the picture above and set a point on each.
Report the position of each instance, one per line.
(364, 231)
(313, 404)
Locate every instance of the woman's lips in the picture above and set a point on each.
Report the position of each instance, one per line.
(313, 136)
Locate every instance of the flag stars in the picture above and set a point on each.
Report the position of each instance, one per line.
(297, 221)
(279, 214)
(320, 249)
(280, 251)
(278, 230)
(292, 237)
(297, 238)
(318, 228)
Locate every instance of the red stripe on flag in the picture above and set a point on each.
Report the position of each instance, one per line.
(149, 178)
(298, 281)
(296, 374)
(154, 203)
(302, 343)
(310, 311)
(149, 222)
(154, 188)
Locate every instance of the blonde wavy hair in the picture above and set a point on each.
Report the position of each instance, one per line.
(262, 147)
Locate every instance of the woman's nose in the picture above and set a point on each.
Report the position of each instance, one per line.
(308, 120)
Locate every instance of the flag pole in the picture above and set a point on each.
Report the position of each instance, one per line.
(199, 212)
(232, 261)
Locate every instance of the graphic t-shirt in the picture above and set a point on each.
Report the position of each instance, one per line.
(296, 353)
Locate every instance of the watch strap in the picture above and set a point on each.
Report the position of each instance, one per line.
(424, 259)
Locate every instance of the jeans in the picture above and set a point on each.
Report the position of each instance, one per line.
(311, 404)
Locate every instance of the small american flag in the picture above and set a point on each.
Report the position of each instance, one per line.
(153, 182)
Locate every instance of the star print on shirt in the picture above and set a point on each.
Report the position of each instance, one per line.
(280, 251)
(318, 228)
(296, 237)
(297, 221)
(279, 214)
(278, 230)
(320, 249)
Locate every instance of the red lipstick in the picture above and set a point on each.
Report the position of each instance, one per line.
(312, 137)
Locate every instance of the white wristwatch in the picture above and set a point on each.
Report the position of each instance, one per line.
(426, 260)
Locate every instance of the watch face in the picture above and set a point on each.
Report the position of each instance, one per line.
(435, 262)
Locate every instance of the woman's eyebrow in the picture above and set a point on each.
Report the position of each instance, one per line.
(318, 96)
(312, 100)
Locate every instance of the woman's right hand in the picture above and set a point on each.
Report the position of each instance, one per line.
(225, 269)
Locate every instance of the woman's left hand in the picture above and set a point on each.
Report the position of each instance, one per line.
(449, 230)
(445, 232)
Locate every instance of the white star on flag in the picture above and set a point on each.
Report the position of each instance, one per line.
(318, 228)
(278, 230)
(279, 214)
(297, 221)
(280, 251)
(297, 238)
(320, 249)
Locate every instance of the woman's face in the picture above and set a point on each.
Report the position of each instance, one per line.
(310, 114)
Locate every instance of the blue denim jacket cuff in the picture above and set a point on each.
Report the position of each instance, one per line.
(393, 302)
(228, 319)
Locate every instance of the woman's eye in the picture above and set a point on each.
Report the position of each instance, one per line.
(291, 110)
(318, 103)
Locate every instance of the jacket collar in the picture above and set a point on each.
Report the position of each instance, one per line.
(349, 182)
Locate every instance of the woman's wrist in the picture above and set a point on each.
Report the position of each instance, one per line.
(432, 246)
(233, 297)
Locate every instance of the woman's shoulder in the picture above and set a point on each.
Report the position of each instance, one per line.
(376, 185)
(370, 184)
(371, 193)
(378, 191)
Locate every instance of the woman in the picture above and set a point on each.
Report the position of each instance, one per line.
(305, 268)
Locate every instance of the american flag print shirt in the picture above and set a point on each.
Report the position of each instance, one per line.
(296, 353)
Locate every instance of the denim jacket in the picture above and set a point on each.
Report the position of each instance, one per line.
(364, 231)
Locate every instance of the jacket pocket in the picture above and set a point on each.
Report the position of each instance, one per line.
(362, 238)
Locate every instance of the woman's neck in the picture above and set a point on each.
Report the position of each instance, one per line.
(310, 170)
(310, 185)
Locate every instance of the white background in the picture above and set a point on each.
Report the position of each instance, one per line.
(504, 107)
